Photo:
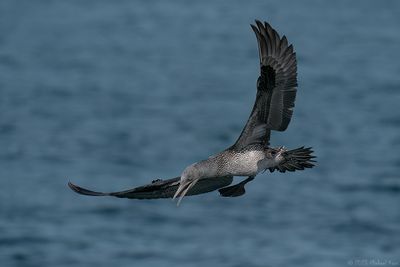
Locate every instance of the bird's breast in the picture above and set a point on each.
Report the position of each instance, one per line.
(244, 163)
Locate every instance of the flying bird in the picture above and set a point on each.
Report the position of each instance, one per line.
(251, 153)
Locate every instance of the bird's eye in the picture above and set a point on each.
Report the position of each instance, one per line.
(273, 153)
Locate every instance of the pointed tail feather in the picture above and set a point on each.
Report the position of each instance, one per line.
(296, 159)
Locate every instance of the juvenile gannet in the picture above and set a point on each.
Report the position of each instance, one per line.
(251, 153)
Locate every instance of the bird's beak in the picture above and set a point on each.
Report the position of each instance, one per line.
(183, 188)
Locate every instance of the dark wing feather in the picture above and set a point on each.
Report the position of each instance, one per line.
(276, 87)
(160, 188)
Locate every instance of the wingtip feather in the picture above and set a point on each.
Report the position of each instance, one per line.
(83, 191)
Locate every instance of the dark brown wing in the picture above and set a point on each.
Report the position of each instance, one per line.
(160, 188)
(276, 87)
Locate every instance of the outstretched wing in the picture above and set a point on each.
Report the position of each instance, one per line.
(276, 87)
(160, 188)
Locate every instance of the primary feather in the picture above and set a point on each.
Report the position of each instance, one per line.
(276, 87)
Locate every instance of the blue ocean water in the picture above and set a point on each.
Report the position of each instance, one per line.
(113, 94)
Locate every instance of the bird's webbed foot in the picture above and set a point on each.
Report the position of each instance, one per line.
(236, 190)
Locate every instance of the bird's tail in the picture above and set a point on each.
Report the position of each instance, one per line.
(296, 159)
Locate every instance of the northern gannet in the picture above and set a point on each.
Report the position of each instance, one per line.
(251, 153)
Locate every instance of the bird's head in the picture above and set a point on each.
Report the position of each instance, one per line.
(189, 178)
(191, 173)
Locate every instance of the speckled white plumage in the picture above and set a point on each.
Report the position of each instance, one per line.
(248, 161)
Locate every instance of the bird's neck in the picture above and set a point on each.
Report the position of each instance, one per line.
(206, 168)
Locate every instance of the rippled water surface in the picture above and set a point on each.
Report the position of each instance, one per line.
(112, 94)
